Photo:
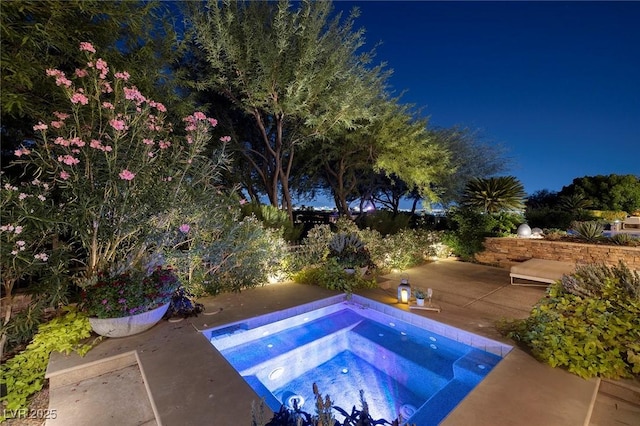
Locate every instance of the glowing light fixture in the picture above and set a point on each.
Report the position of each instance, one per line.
(404, 290)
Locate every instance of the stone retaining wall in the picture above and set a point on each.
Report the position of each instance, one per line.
(505, 252)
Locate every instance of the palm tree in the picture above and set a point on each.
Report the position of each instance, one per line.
(494, 194)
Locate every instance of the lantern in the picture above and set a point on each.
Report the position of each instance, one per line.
(404, 290)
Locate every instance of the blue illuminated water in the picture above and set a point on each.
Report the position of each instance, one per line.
(404, 369)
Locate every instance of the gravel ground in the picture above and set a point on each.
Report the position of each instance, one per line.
(37, 412)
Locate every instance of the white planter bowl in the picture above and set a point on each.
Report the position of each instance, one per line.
(128, 326)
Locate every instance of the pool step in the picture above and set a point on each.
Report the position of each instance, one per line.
(270, 345)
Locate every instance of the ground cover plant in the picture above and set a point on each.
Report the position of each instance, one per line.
(23, 375)
(589, 323)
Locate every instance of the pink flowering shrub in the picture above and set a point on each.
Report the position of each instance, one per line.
(118, 166)
(24, 240)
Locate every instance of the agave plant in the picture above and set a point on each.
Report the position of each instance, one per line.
(589, 231)
(349, 250)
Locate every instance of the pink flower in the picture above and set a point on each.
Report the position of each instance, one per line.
(95, 144)
(64, 175)
(118, 124)
(106, 87)
(133, 94)
(22, 196)
(147, 141)
(61, 115)
(22, 151)
(199, 115)
(122, 75)
(126, 175)
(225, 138)
(213, 122)
(107, 105)
(81, 73)
(107, 148)
(41, 256)
(79, 98)
(17, 229)
(40, 126)
(87, 47)
(77, 142)
(102, 66)
(159, 106)
(184, 228)
(164, 144)
(69, 160)
(57, 124)
(61, 141)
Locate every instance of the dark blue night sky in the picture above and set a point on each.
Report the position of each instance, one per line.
(556, 83)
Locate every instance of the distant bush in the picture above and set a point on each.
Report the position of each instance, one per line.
(385, 222)
(545, 217)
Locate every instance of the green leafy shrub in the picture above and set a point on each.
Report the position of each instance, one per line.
(23, 375)
(589, 323)
(246, 257)
(216, 250)
(401, 250)
(314, 248)
(332, 275)
(470, 228)
(407, 248)
(23, 325)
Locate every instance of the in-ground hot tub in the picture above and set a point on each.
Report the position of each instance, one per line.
(407, 365)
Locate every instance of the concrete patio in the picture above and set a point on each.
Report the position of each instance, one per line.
(171, 375)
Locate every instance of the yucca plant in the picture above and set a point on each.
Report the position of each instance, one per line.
(494, 194)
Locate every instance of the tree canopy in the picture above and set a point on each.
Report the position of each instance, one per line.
(610, 192)
(295, 75)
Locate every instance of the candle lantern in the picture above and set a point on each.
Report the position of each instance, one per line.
(404, 290)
